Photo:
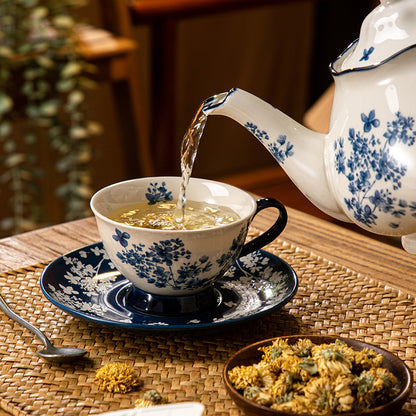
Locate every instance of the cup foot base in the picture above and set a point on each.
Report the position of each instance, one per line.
(159, 305)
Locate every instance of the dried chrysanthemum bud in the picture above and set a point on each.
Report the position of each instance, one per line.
(303, 347)
(243, 376)
(117, 378)
(263, 398)
(343, 393)
(320, 396)
(267, 377)
(331, 361)
(289, 403)
(251, 391)
(274, 351)
(375, 386)
(282, 385)
(366, 359)
(151, 398)
(154, 396)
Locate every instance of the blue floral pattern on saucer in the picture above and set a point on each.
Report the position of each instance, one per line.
(85, 283)
(372, 170)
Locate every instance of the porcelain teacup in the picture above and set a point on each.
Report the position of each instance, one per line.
(173, 270)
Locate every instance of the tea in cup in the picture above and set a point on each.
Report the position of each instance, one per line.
(165, 215)
(177, 264)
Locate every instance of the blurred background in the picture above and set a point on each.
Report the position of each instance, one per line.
(278, 50)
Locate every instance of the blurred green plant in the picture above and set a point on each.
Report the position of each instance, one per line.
(43, 81)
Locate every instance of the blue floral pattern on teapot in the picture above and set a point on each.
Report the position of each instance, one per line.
(348, 167)
(372, 170)
(281, 148)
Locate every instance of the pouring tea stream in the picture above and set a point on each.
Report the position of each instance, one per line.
(364, 169)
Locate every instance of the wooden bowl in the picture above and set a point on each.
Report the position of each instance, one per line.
(250, 355)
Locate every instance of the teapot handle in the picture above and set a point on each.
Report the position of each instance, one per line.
(273, 232)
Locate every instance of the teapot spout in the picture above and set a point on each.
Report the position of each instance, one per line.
(299, 151)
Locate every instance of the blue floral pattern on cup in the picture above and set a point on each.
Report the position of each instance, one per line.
(158, 193)
(155, 264)
(281, 148)
(372, 170)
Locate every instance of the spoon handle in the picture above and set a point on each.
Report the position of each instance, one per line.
(6, 309)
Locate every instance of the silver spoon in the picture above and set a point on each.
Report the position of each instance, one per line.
(50, 353)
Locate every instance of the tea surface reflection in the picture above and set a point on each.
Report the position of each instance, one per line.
(162, 215)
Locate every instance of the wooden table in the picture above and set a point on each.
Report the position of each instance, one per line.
(349, 250)
(343, 246)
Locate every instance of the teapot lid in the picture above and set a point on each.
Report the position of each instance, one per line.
(387, 30)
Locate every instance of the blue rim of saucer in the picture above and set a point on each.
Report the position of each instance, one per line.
(85, 284)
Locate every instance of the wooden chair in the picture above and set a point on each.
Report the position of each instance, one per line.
(116, 63)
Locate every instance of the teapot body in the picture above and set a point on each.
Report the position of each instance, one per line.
(364, 169)
(370, 150)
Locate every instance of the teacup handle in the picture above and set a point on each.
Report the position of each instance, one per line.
(273, 232)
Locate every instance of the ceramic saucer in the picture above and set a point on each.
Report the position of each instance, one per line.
(85, 283)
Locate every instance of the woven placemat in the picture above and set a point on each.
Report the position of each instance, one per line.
(331, 299)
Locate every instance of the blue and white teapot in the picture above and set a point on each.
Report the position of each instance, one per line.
(364, 169)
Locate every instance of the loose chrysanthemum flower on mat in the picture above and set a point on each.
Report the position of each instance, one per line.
(117, 378)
